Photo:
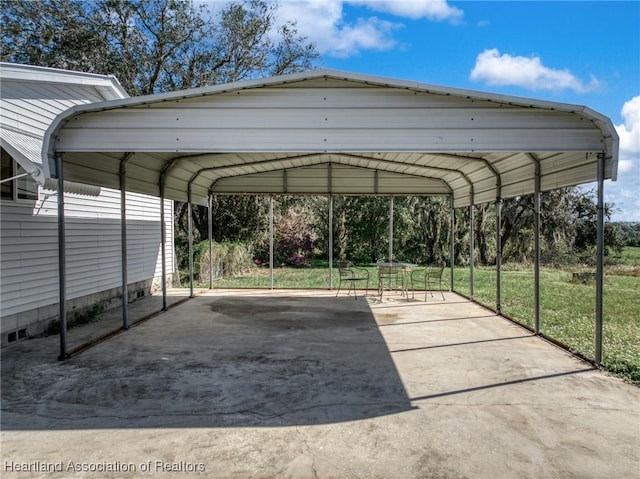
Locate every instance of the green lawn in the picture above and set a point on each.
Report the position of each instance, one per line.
(567, 309)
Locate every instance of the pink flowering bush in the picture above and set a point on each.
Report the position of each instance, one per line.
(293, 243)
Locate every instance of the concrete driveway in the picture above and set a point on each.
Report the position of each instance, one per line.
(300, 384)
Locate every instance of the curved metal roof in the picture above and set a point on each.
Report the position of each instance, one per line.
(331, 132)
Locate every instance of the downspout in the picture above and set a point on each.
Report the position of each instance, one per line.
(62, 260)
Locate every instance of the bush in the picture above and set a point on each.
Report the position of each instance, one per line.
(293, 244)
(229, 259)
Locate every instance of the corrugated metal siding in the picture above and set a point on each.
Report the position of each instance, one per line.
(400, 128)
(29, 244)
(330, 179)
(331, 120)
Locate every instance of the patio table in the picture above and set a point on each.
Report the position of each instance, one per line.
(400, 265)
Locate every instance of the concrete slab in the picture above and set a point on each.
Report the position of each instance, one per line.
(111, 320)
(260, 384)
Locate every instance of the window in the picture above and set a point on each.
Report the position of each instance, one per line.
(23, 188)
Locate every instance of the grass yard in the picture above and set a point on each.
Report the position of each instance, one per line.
(567, 306)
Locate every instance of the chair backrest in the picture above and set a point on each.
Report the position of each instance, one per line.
(345, 268)
(386, 271)
(435, 271)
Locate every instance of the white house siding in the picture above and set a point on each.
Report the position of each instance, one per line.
(31, 98)
(29, 259)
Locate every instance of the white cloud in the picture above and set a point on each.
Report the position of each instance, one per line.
(629, 133)
(624, 192)
(323, 22)
(414, 9)
(528, 72)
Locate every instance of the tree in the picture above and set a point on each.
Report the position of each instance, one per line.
(55, 33)
(154, 46)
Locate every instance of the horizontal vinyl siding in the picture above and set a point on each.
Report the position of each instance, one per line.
(29, 246)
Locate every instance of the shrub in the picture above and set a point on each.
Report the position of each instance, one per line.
(293, 244)
(229, 259)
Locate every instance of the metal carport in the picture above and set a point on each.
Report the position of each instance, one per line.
(327, 132)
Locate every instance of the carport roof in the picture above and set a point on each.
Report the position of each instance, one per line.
(332, 132)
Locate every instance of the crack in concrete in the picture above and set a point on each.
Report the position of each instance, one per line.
(310, 452)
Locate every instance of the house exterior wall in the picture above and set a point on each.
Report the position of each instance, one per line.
(29, 255)
(29, 292)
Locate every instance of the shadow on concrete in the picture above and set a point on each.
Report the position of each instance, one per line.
(465, 343)
(502, 384)
(214, 361)
(465, 318)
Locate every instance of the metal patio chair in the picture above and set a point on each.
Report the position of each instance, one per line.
(352, 274)
(390, 278)
(428, 277)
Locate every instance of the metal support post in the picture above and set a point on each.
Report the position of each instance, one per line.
(271, 240)
(330, 241)
(123, 243)
(190, 239)
(390, 236)
(498, 254)
(62, 259)
(163, 240)
(210, 234)
(472, 247)
(600, 260)
(536, 266)
(452, 244)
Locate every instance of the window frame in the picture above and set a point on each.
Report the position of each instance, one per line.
(15, 190)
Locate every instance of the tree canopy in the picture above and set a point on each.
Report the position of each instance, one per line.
(154, 46)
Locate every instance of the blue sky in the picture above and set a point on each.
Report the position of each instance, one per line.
(579, 52)
(585, 53)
